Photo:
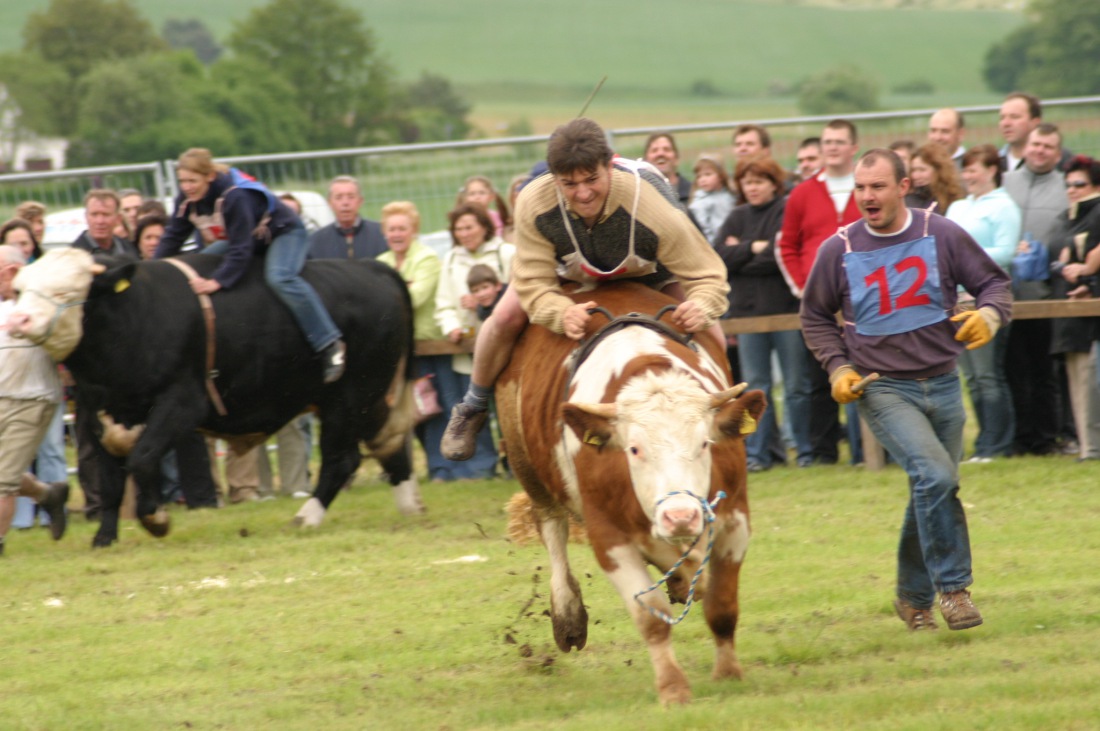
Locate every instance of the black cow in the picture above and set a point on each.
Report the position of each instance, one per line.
(142, 360)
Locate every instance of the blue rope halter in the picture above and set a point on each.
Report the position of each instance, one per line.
(708, 517)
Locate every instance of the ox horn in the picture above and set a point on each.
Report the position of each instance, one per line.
(719, 399)
(607, 411)
(98, 269)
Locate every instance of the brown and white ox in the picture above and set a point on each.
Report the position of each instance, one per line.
(635, 443)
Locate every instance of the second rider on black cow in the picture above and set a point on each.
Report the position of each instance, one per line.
(239, 218)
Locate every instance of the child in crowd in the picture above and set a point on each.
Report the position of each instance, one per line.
(479, 189)
(486, 289)
(711, 199)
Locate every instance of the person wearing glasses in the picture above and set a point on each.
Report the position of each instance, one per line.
(816, 208)
(1078, 239)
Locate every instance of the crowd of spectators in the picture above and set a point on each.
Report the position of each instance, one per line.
(1030, 204)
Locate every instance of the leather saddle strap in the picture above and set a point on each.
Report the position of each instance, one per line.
(211, 333)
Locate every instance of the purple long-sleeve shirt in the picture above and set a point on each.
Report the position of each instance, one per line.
(922, 353)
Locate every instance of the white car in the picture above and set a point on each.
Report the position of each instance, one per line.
(438, 241)
(64, 227)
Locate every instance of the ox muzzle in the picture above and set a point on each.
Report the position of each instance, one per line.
(681, 516)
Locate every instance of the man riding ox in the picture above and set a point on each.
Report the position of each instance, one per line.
(644, 408)
(593, 219)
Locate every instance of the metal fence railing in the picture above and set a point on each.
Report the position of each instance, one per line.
(431, 174)
(66, 188)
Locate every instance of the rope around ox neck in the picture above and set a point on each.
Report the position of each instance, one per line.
(708, 517)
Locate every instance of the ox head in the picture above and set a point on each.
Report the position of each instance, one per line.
(50, 293)
(667, 426)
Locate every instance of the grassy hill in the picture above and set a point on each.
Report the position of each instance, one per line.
(645, 45)
(525, 59)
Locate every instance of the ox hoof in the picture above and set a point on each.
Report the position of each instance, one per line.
(570, 632)
(311, 514)
(99, 541)
(728, 671)
(675, 696)
(407, 495)
(157, 523)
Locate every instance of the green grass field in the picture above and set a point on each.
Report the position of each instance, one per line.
(524, 60)
(237, 621)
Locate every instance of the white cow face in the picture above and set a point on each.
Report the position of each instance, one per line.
(666, 425)
(49, 294)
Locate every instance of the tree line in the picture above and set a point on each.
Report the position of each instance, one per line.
(1056, 53)
(300, 74)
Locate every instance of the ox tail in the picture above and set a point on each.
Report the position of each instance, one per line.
(523, 529)
(401, 417)
(118, 440)
(399, 398)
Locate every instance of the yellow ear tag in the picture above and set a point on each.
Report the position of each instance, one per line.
(748, 424)
(122, 285)
(594, 439)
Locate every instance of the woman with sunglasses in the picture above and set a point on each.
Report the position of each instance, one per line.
(1078, 234)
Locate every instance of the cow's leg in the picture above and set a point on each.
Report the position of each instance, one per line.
(339, 461)
(627, 570)
(196, 479)
(175, 413)
(567, 612)
(721, 603)
(406, 490)
(111, 478)
(105, 472)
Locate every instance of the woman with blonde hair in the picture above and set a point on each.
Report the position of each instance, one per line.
(419, 267)
(935, 179)
(239, 218)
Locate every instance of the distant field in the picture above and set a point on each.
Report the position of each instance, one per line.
(513, 59)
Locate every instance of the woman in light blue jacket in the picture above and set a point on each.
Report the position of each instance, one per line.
(990, 216)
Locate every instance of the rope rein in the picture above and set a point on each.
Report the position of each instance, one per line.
(708, 516)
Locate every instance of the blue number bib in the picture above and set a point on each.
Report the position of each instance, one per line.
(897, 289)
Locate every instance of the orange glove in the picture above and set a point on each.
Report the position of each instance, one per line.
(978, 326)
(843, 379)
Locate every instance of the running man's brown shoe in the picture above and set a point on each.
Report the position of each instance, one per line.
(460, 437)
(915, 619)
(958, 610)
